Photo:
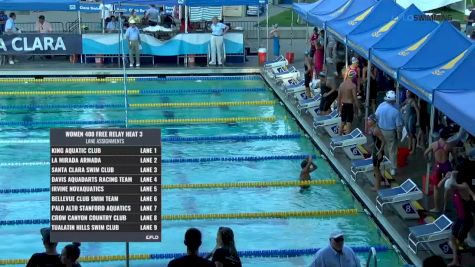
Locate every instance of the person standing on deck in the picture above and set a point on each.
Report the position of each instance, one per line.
(347, 103)
(218, 30)
(274, 33)
(336, 254)
(132, 35)
(390, 123)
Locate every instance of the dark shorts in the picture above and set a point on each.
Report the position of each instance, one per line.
(377, 161)
(373, 90)
(308, 80)
(347, 113)
(438, 172)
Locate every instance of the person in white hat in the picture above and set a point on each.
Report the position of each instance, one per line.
(336, 253)
(390, 122)
(132, 35)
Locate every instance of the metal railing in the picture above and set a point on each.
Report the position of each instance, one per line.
(30, 26)
(372, 257)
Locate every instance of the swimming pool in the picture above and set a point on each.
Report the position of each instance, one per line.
(256, 126)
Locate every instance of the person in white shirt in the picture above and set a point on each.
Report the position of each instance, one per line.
(10, 28)
(42, 26)
(112, 25)
(153, 15)
(132, 35)
(218, 29)
(105, 13)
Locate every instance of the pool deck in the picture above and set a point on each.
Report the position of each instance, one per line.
(390, 223)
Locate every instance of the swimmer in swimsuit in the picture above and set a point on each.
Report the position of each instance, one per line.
(463, 199)
(441, 149)
(307, 167)
(377, 152)
(308, 74)
(347, 103)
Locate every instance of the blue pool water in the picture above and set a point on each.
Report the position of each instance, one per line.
(251, 234)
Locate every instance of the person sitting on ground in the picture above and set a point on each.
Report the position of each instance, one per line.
(307, 167)
(308, 74)
(442, 166)
(225, 253)
(336, 253)
(49, 258)
(192, 243)
(347, 103)
(434, 261)
(463, 199)
(70, 255)
(329, 94)
(377, 151)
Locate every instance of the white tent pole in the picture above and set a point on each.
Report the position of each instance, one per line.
(186, 19)
(432, 115)
(368, 88)
(398, 89)
(324, 44)
(346, 55)
(102, 16)
(292, 32)
(258, 28)
(267, 25)
(79, 22)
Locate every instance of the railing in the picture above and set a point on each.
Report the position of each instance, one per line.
(86, 26)
(30, 26)
(372, 256)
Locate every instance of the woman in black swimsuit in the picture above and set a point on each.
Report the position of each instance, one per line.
(308, 74)
(377, 151)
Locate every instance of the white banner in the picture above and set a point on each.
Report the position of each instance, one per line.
(426, 5)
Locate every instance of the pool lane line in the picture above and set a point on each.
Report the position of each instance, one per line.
(222, 216)
(203, 104)
(202, 120)
(202, 186)
(175, 160)
(130, 79)
(181, 138)
(274, 253)
(133, 91)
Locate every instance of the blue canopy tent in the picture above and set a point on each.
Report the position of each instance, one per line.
(458, 105)
(304, 8)
(324, 8)
(145, 2)
(439, 58)
(50, 5)
(397, 46)
(366, 34)
(349, 9)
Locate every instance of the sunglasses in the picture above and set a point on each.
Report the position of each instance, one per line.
(339, 239)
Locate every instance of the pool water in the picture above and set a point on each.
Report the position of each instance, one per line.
(250, 234)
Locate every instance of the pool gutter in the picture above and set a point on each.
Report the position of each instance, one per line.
(400, 240)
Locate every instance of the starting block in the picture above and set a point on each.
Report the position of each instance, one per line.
(332, 129)
(354, 152)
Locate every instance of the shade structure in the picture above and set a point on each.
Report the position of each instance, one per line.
(324, 8)
(363, 37)
(397, 46)
(349, 9)
(457, 105)
(43, 5)
(454, 73)
(303, 9)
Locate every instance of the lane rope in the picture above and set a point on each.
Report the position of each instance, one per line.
(139, 105)
(177, 160)
(179, 138)
(203, 104)
(274, 253)
(202, 186)
(220, 216)
(203, 120)
(132, 91)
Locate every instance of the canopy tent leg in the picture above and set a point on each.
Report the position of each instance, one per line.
(324, 44)
(346, 55)
(368, 88)
(431, 131)
(292, 32)
(258, 29)
(267, 25)
(398, 89)
(185, 58)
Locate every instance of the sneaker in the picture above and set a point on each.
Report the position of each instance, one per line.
(393, 172)
(137, 65)
(131, 65)
(11, 62)
(212, 63)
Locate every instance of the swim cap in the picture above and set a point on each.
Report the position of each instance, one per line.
(351, 73)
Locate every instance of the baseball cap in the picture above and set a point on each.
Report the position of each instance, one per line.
(132, 21)
(336, 234)
(390, 96)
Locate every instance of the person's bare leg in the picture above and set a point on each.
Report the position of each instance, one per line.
(378, 178)
(453, 243)
(308, 92)
(436, 200)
